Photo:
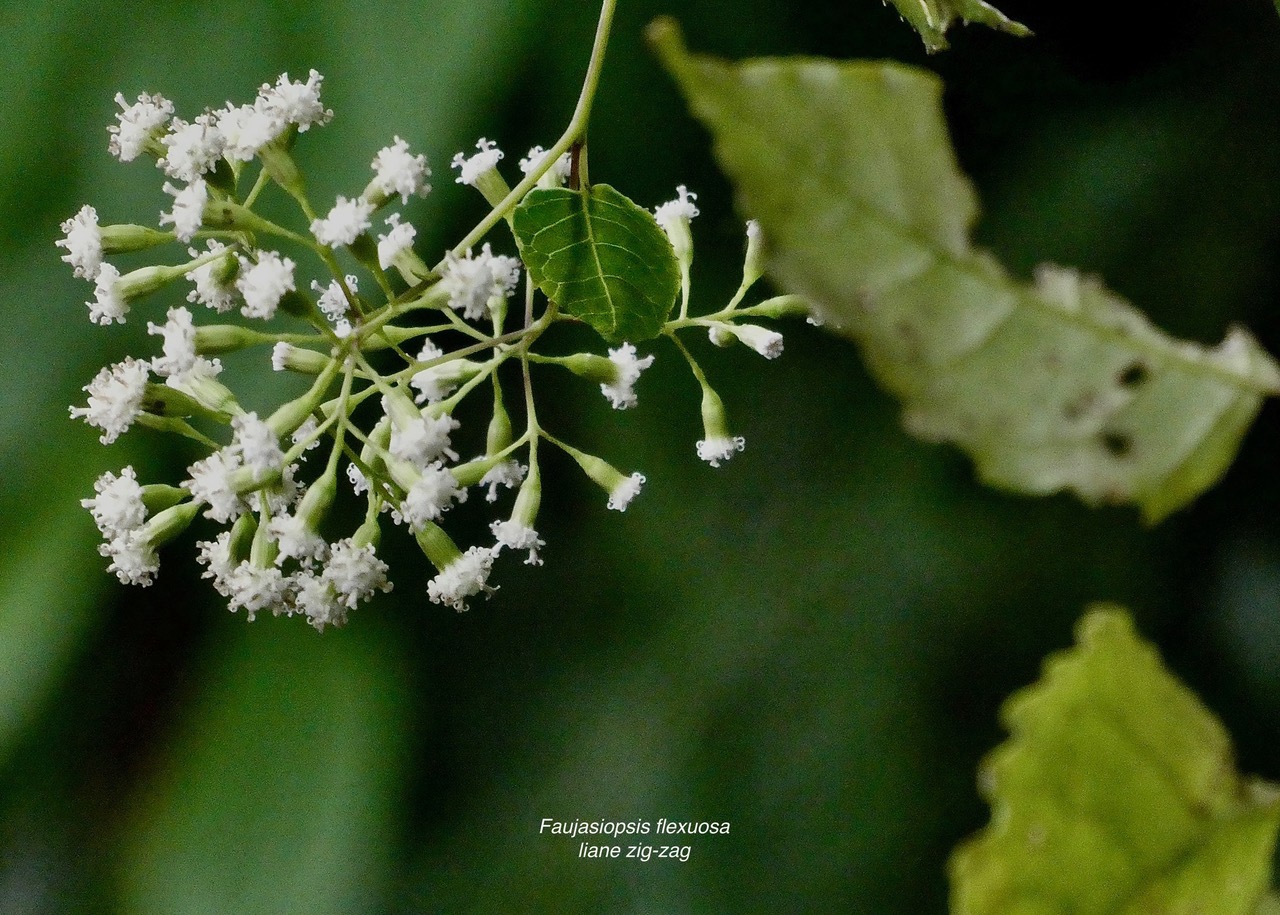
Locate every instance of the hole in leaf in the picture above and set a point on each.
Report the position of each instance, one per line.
(1133, 375)
(1118, 444)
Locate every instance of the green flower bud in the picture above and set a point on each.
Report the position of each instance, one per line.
(123, 238)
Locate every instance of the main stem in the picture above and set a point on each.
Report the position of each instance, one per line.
(576, 131)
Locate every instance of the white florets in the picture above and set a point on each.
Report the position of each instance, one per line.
(115, 398)
(179, 334)
(345, 222)
(473, 283)
(355, 572)
(210, 290)
(83, 242)
(215, 555)
(133, 558)
(245, 129)
(470, 169)
(332, 300)
(117, 506)
(315, 599)
(211, 482)
(396, 241)
(258, 447)
(508, 473)
(191, 150)
(429, 498)
(720, 448)
(296, 539)
(465, 577)
(626, 490)
(767, 343)
(108, 304)
(516, 536)
(295, 103)
(555, 176)
(187, 214)
(139, 123)
(621, 391)
(424, 441)
(264, 283)
(397, 171)
(676, 212)
(257, 589)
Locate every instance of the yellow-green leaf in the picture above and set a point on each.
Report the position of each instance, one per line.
(599, 257)
(1116, 794)
(1056, 385)
(932, 18)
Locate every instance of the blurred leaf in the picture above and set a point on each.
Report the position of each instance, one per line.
(932, 18)
(1060, 385)
(1116, 793)
(600, 257)
(280, 790)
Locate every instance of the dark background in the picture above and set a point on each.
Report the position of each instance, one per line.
(810, 643)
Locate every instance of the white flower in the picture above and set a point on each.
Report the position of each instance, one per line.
(345, 222)
(316, 599)
(195, 380)
(425, 441)
(398, 240)
(257, 589)
(264, 283)
(179, 343)
(215, 555)
(464, 577)
(211, 483)
(399, 172)
(555, 176)
(296, 539)
(187, 214)
(307, 432)
(359, 483)
(470, 169)
(191, 150)
(720, 448)
(117, 507)
(108, 304)
(474, 282)
(355, 572)
(83, 243)
(517, 536)
(430, 497)
(133, 558)
(258, 446)
(280, 495)
(674, 212)
(621, 392)
(245, 129)
(506, 473)
(295, 103)
(626, 490)
(115, 398)
(210, 289)
(139, 123)
(332, 300)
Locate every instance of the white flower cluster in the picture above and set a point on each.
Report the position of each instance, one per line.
(278, 551)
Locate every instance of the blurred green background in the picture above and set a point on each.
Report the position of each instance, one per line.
(810, 643)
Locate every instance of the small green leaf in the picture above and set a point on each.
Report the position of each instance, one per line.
(932, 18)
(1116, 793)
(600, 258)
(1052, 386)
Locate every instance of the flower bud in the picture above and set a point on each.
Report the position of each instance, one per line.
(120, 239)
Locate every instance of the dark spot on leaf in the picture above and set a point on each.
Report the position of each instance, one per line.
(1118, 444)
(1133, 375)
(1078, 406)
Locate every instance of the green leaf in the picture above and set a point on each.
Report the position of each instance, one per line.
(1116, 793)
(932, 18)
(1060, 385)
(600, 258)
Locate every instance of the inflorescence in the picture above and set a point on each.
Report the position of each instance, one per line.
(386, 380)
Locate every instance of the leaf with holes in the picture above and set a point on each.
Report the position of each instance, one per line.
(1116, 794)
(932, 18)
(600, 258)
(1060, 385)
